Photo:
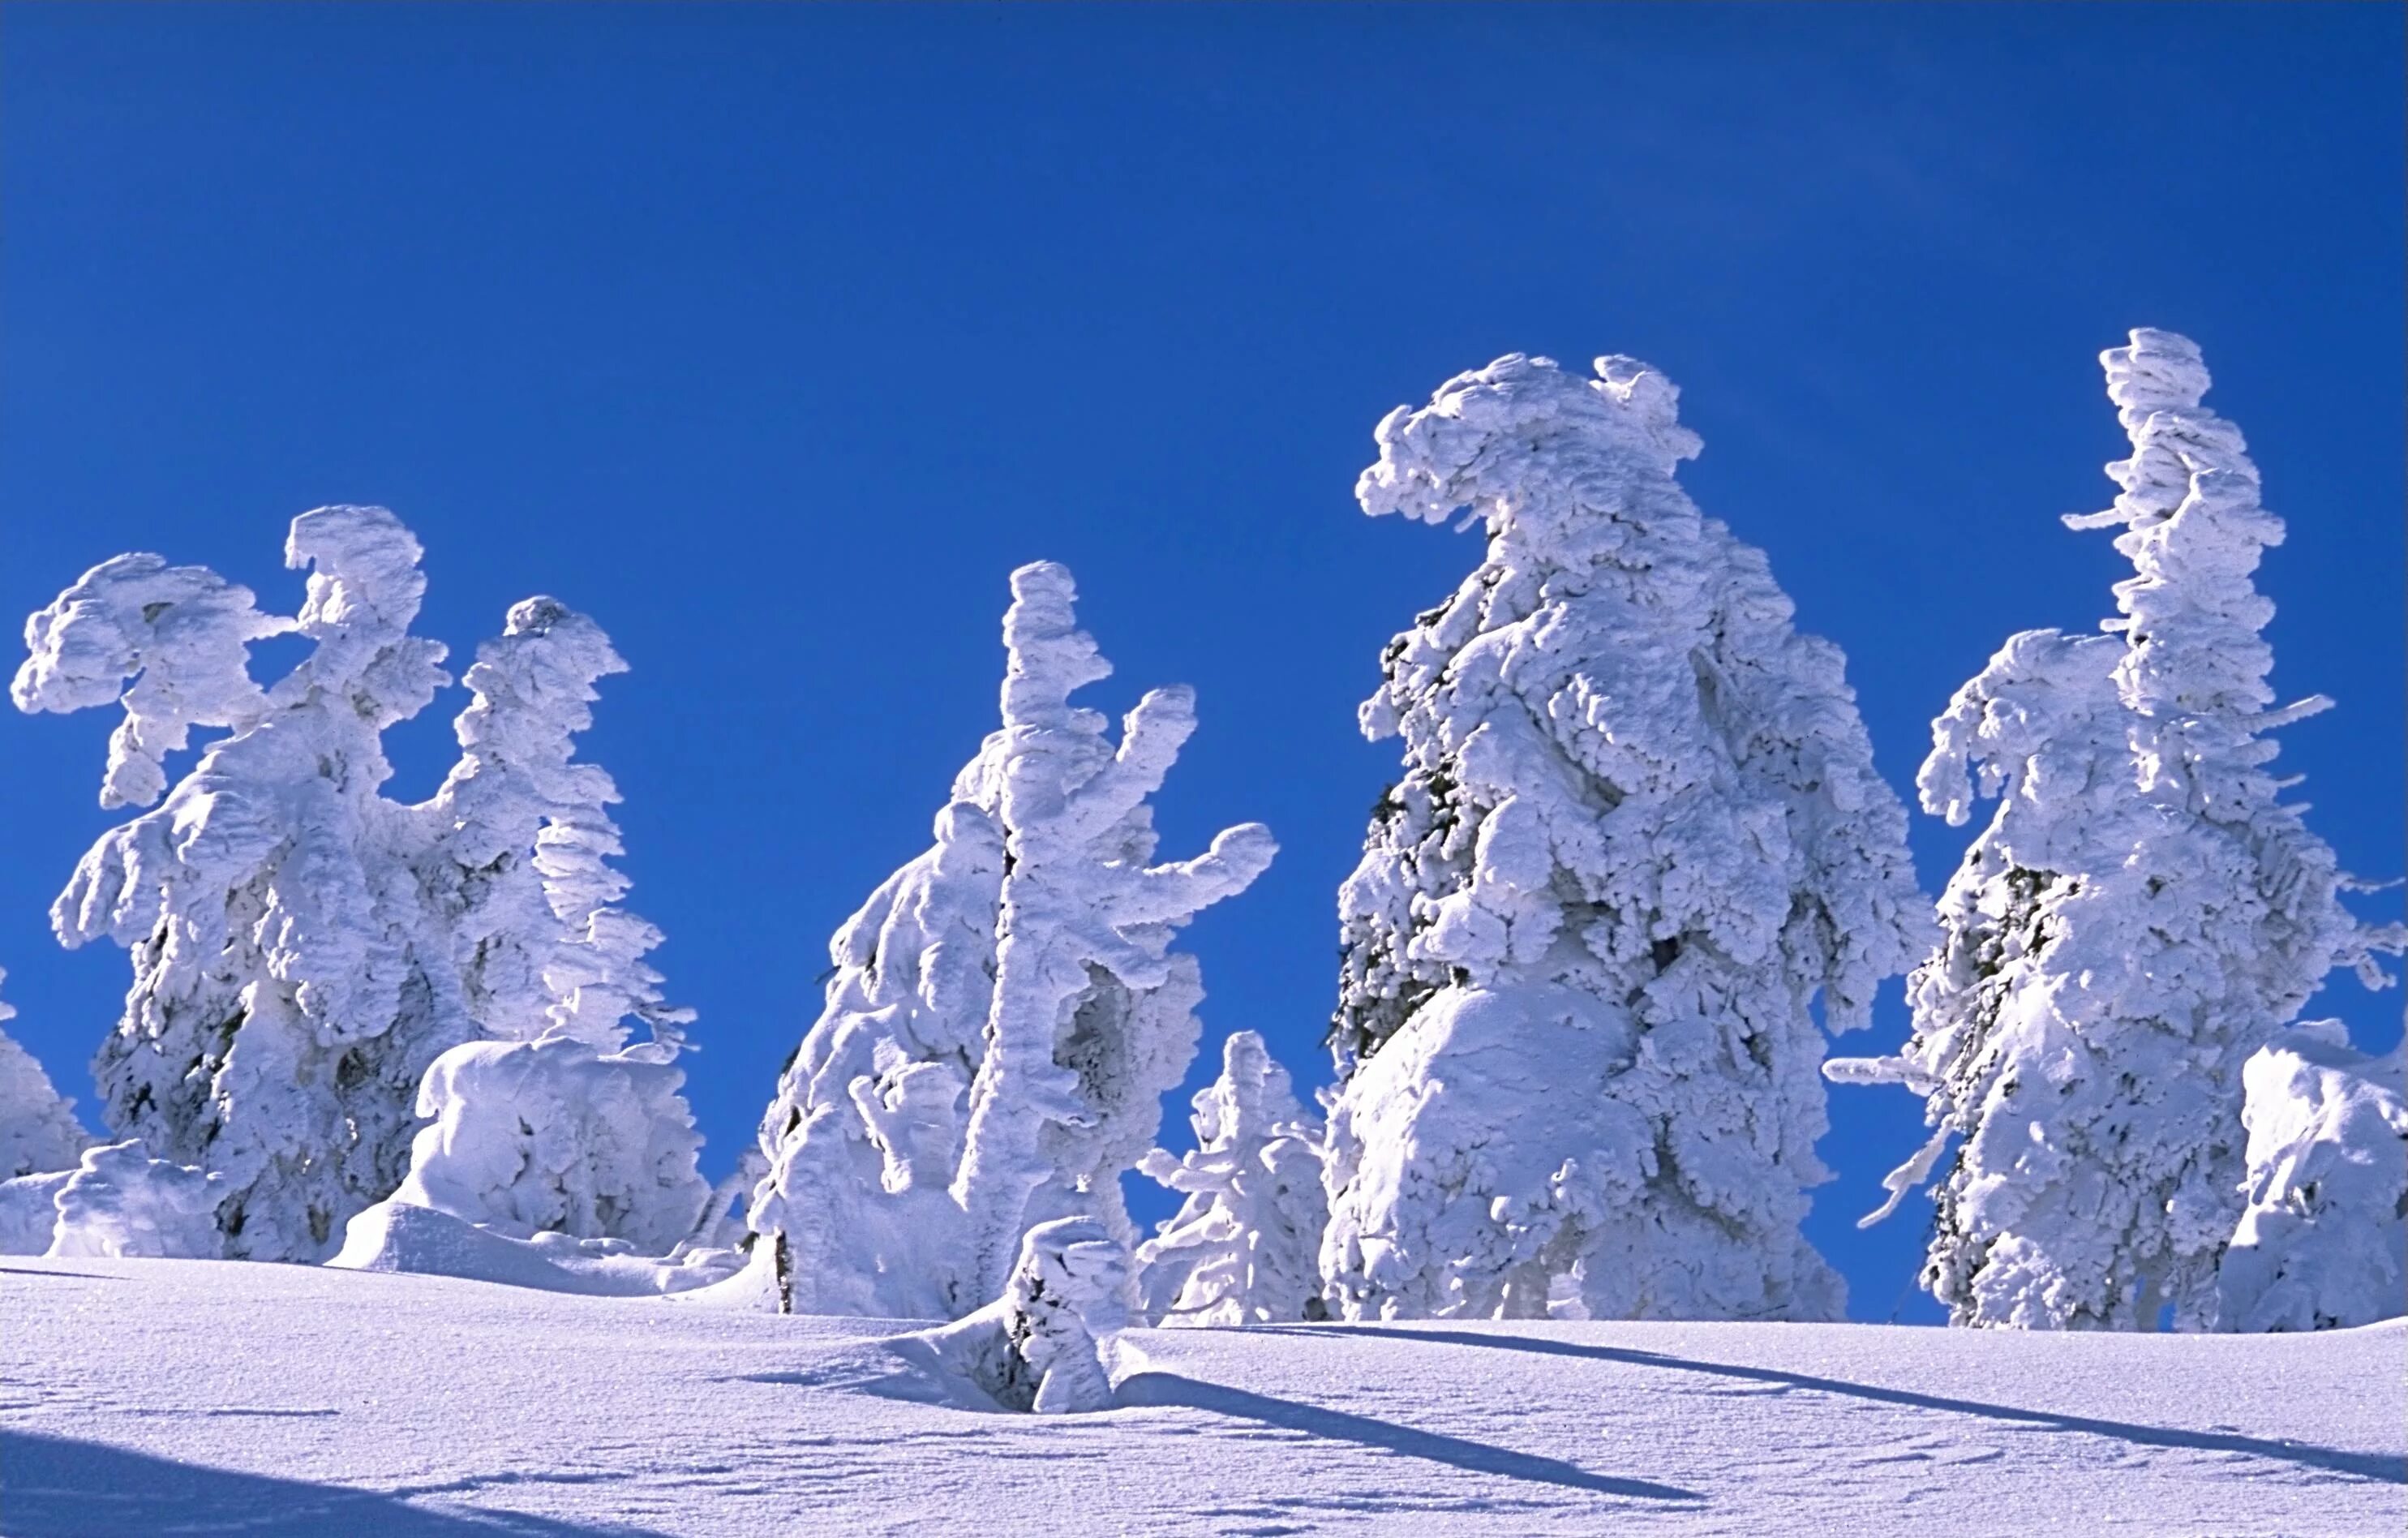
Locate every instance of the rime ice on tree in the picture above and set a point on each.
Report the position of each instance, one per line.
(1245, 1246)
(2141, 915)
(285, 1004)
(1006, 1012)
(38, 1131)
(1638, 831)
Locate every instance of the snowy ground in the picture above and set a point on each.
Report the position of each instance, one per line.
(167, 1395)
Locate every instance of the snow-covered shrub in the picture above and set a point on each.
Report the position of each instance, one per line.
(1640, 831)
(1005, 1015)
(555, 1136)
(120, 1201)
(29, 1211)
(1245, 1246)
(286, 999)
(38, 1131)
(1039, 1346)
(396, 1236)
(2323, 1240)
(2141, 914)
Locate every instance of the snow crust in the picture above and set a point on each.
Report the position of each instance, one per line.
(1640, 832)
(2141, 915)
(1006, 1012)
(1244, 1247)
(2323, 1241)
(160, 1396)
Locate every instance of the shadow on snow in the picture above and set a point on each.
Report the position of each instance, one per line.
(1169, 1388)
(55, 1488)
(2375, 1466)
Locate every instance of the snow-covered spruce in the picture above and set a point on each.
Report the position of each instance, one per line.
(284, 1002)
(1245, 1246)
(1039, 1346)
(1638, 831)
(1005, 1013)
(2323, 1241)
(120, 1201)
(38, 1131)
(2141, 915)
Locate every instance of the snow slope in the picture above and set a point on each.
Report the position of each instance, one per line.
(156, 1396)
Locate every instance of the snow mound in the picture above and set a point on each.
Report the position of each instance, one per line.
(2324, 1240)
(120, 1201)
(396, 1236)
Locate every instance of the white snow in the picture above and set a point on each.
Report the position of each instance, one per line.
(153, 1396)
(38, 1131)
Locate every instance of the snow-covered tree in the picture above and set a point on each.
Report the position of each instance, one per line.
(1245, 1246)
(2323, 1239)
(1038, 1346)
(1005, 1013)
(120, 1202)
(286, 997)
(2141, 915)
(38, 1131)
(552, 1136)
(531, 693)
(1640, 832)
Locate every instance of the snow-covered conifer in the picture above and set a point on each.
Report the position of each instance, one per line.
(1640, 831)
(38, 1131)
(1245, 1247)
(120, 1202)
(284, 1004)
(1038, 1346)
(554, 1136)
(1005, 1013)
(2323, 1241)
(2141, 915)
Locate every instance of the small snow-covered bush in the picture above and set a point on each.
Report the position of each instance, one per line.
(38, 1131)
(29, 1212)
(2323, 1241)
(1639, 832)
(551, 1135)
(2143, 914)
(120, 1201)
(1006, 1011)
(1039, 1346)
(1245, 1246)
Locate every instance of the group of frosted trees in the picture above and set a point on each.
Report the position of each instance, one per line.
(1640, 863)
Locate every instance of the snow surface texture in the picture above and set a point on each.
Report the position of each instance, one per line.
(162, 1396)
(1244, 1248)
(1005, 1013)
(38, 1131)
(303, 949)
(1638, 831)
(2324, 1240)
(2141, 915)
(120, 1201)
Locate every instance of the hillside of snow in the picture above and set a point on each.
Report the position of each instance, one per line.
(158, 1395)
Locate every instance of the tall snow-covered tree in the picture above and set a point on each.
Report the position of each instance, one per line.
(1006, 1012)
(2141, 914)
(555, 1123)
(1245, 1246)
(1640, 832)
(38, 1131)
(285, 999)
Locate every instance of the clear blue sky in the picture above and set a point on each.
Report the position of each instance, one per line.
(775, 337)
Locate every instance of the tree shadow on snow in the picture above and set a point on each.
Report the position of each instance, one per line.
(2375, 1466)
(55, 1488)
(1169, 1388)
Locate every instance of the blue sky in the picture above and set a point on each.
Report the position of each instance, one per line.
(774, 338)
